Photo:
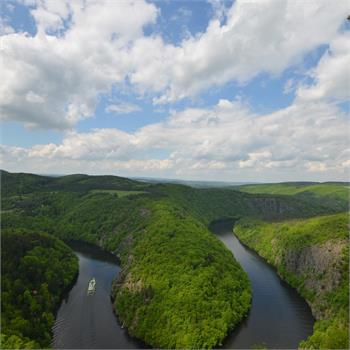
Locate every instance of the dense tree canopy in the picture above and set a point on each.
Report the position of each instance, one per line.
(35, 270)
(325, 287)
(179, 285)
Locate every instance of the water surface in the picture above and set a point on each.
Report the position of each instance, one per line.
(87, 321)
(279, 318)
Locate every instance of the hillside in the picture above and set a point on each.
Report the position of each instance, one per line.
(178, 278)
(22, 183)
(35, 270)
(155, 241)
(333, 194)
(210, 204)
(312, 255)
(159, 231)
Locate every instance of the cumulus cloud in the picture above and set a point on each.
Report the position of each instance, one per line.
(238, 50)
(53, 79)
(123, 108)
(83, 48)
(224, 139)
(331, 75)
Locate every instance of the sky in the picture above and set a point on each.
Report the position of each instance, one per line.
(245, 90)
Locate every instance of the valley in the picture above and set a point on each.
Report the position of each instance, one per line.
(179, 286)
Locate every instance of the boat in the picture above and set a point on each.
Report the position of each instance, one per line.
(92, 286)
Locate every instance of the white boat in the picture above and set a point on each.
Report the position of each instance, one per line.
(92, 286)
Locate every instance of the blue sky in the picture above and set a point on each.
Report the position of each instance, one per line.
(180, 89)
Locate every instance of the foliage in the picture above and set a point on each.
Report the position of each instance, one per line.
(20, 183)
(334, 194)
(119, 193)
(35, 270)
(180, 286)
(140, 227)
(278, 242)
(209, 204)
(184, 289)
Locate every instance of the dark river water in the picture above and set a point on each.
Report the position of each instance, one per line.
(87, 321)
(279, 318)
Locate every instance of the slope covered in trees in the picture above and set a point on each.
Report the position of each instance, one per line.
(172, 265)
(333, 194)
(183, 289)
(35, 270)
(312, 255)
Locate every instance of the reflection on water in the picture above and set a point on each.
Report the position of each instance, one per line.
(279, 318)
(87, 321)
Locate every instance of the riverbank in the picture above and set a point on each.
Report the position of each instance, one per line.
(87, 321)
(279, 317)
(312, 256)
(179, 287)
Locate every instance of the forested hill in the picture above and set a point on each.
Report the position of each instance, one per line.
(22, 183)
(332, 194)
(313, 256)
(205, 204)
(210, 204)
(159, 231)
(35, 270)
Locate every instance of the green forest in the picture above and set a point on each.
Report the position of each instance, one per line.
(35, 271)
(183, 281)
(326, 289)
(179, 287)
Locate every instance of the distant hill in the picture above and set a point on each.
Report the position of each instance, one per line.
(21, 183)
(334, 194)
(193, 183)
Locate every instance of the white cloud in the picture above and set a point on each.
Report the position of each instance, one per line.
(289, 86)
(225, 141)
(67, 70)
(238, 50)
(219, 8)
(123, 108)
(332, 74)
(5, 27)
(254, 158)
(316, 166)
(83, 48)
(182, 14)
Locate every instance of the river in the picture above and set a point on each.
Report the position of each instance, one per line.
(279, 318)
(87, 321)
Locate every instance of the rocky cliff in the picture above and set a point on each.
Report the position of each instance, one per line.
(311, 255)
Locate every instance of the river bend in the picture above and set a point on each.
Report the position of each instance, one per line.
(279, 318)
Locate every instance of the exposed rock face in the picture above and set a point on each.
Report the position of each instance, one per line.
(270, 204)
(131, 285)
(145, 212)
(319, 267)
(273, 207)
(125, 244)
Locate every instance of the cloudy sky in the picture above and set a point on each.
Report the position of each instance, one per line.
(239, 90)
